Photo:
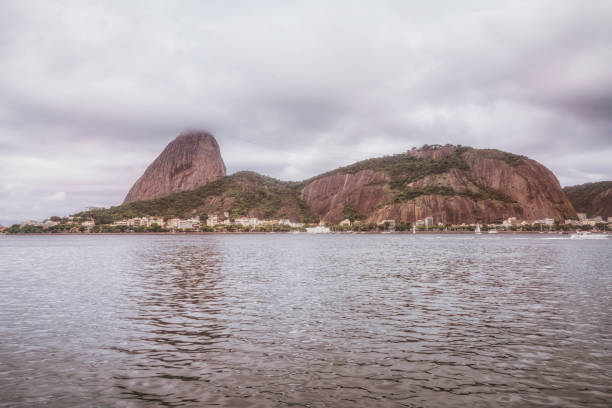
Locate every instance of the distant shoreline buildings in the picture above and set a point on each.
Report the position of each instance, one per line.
(216, 223)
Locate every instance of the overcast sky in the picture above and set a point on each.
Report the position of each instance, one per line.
(92, 91)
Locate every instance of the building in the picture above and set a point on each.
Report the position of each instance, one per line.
(212, 220)
(346, 222)
(391, 224)
(190, 223)
(30, 222)
(138, 222)
(155, 221)
(429, 222)
(173, 223)
(49, 223)
(318, 230)
(120, 223)
(581, 216)
(89, 223)
(247, 222)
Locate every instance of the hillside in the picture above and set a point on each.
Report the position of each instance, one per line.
(591, 198)
(452, 184)
(241, 194)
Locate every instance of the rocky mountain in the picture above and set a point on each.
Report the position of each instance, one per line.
(592, 198)
(453, 184)
(242, 194)
(188, 162)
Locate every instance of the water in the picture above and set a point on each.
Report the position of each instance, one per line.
(295, 320)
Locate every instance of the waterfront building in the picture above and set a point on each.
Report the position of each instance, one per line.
(89, 223)
(345, 222)
(212, 220)
(49, 223)
(320, 229)
(391, 224)
(247, 222)
(581, 216)
(30, 222)
(429, 222)
(173, 223)
(156, 220)
(189, 224)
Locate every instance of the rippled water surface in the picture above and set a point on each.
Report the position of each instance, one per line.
(300, 320)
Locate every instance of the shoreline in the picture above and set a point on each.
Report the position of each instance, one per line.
(300, 233)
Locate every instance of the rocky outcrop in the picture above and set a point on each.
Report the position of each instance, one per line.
(450, 183)
(363, 191)
(592, 198)
(189, 161)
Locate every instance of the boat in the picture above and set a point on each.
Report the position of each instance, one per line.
(413, 229)
(477, 230)
(493, 231)
(587, 235)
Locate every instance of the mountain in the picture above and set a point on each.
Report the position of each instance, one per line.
(242, 194)
(188, 162)
(452, 184)
(592, 198)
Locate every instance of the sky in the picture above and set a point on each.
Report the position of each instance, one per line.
(92, 91)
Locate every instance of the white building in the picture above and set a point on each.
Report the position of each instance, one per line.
(318, 230)
(247, 222)
(88, 224)
(212, 220)
(155, 220)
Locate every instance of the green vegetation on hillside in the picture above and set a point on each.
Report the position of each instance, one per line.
(238, 194)
(402, 168)
(405, 168)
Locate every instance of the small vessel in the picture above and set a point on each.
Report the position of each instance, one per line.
(493, 231)
(477, 230)
(413, 229)
(587, 235)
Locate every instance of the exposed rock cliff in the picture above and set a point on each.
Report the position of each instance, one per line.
(450, 183)
(189, 161)
(592, 198)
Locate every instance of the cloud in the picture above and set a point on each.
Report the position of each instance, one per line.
(57, 196)
(92, 92)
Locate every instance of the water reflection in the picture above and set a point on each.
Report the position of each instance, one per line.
(176, 329)
(321, 321)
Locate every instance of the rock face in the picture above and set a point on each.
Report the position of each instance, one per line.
(189, 161)
(592, 198)
(452, 184)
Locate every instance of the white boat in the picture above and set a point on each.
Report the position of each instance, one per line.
(493, 231)
(587, 235)
(413, 229)
(477, 230)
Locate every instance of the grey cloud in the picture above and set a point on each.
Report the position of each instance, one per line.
(90, 93)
